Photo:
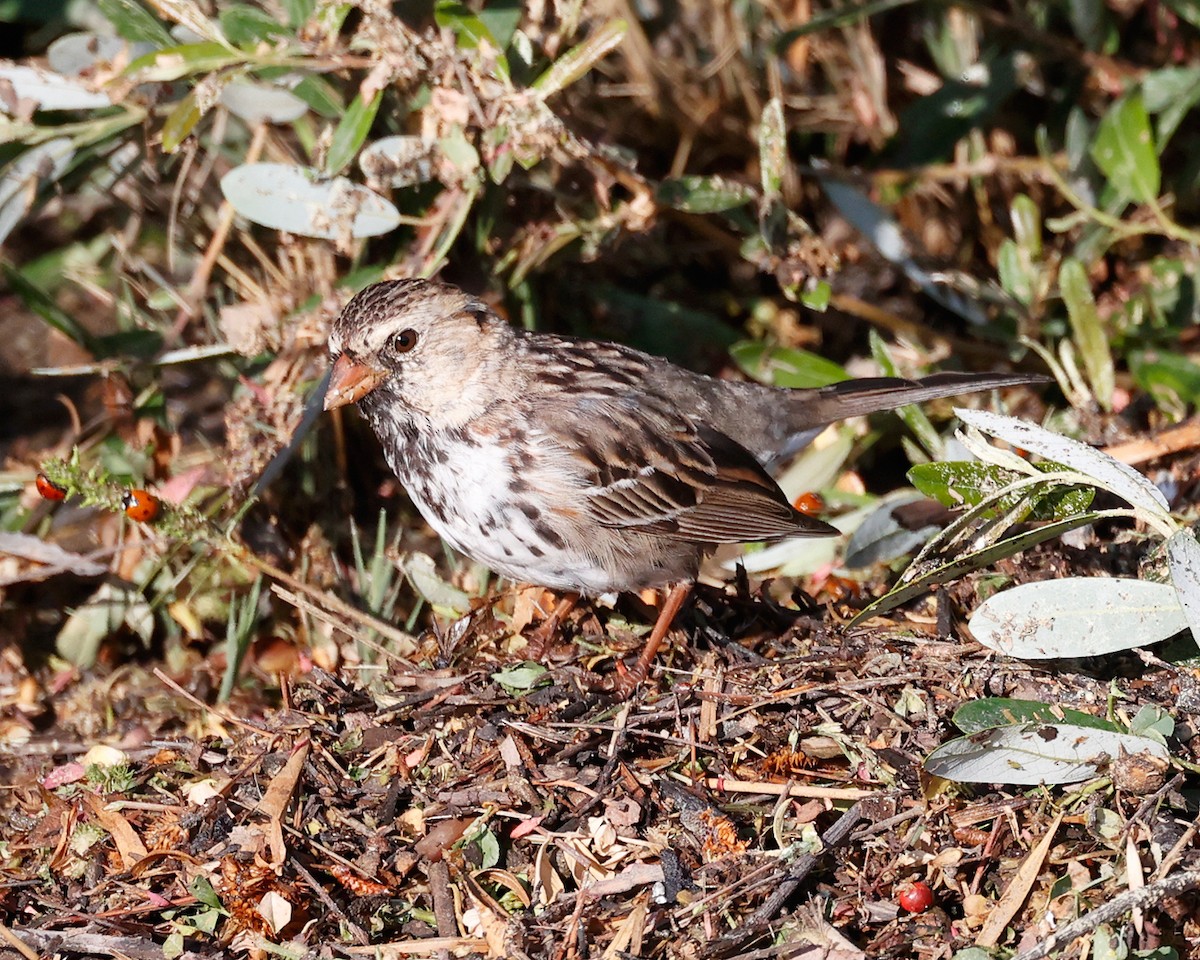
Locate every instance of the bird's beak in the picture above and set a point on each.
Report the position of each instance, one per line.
(350, 381)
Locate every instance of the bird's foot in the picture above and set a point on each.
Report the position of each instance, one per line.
(544, 633)
(625, 681)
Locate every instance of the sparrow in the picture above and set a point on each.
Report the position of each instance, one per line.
(578, 465)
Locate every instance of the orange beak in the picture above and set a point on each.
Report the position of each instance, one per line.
(350, 381)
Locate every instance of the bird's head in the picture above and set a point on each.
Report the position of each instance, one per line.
(416, 342)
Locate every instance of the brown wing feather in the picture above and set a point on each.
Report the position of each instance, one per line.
(711, 491)
(654, 468)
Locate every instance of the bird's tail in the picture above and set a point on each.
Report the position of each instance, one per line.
(819, 407)
(854, 398)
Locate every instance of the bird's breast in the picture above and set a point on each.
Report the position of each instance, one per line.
(505, 502)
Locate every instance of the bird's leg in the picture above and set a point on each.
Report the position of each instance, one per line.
(543, 634)
(625, 685)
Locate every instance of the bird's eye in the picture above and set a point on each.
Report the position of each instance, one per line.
(405, 340)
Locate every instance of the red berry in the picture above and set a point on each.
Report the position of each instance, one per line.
(49, 489)
(915, 897)
(140, 505)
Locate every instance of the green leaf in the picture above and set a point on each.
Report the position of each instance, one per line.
(502, 17)
(1091, 22)
(1153, 721)
(817, 297)
(955, 567)
(469, 30)
(1089, 334)
(298, 11)
(703, 194)
(351, 132)
(321, 95)
(785, 366)
(1097, 466)
(459, 151)
(1170, 95)
(104, 613)
(489, 849)
(44, 305)
(172, 63)
(172, 946)
(134, 22)
(579, 60)
(247, 26)
(1002, 711)
(1124, 150)
(911, 414)
(1015, 275)
(956, 483)
(203, 891)
(772, 147)
(521, 678)
(1027, 226)
(180, 122)
(206, 921)
(464, 23)
(1171, 378)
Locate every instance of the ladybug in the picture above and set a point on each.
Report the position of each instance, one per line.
(140, 505)
(49, 489)
(915, 897)
(809, 504)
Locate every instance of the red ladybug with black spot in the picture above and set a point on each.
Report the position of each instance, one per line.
(49, 489)
(140, 505)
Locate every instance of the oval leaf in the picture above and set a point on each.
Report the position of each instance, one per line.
(400, 161)
(1090, 336)
(1183, 555)
(423, 574)
(881, 537)
(703, 194)
(1030, 754)
(180, 122)
(133, 22)
(521, 677)
(579, 60)
(43, 163)
(1124, 149)
(48, 90)
(990, 712)
(772, 147)
(295, 199)
(76, 53)
(262, 102)
(351, 131)
(1077, 617)
(1112, 475)
(785, 366)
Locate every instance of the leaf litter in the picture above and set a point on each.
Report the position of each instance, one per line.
(389, 774)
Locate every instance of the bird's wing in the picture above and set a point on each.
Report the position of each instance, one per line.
(644, 464)
(687, 481)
